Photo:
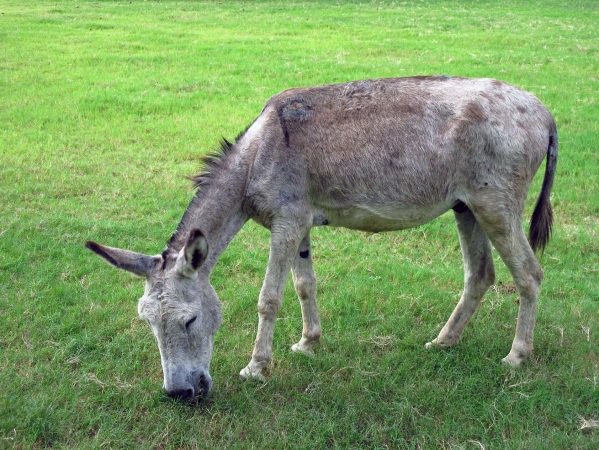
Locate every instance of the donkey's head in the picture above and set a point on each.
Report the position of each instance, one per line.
(181, 308)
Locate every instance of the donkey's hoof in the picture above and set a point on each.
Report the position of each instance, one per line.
(518, 353)
(303, 349)
(248, 374)
(513, 359)
(437, 343)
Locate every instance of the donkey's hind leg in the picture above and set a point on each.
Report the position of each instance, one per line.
(505, 230)
(516, 253)
(304, 282)
(479, 274)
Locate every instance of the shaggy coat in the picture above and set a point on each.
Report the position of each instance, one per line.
(372, 155)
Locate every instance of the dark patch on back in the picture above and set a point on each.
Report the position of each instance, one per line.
(474, 112)
(284, 127)
(305, 254)
(295, 109)
(521, 109)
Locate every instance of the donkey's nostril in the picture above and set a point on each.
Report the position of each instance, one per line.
(181, 393)
(205, 384)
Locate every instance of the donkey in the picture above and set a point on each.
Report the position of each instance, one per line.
(373, 155)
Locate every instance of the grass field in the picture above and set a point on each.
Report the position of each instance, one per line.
(105, 107)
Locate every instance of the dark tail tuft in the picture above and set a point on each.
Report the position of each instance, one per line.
(541, 222)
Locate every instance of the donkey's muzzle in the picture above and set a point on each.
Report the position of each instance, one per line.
(185, 391)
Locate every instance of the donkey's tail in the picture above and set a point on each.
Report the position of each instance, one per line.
(541, 221)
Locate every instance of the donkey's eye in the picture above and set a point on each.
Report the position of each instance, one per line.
(190, 321)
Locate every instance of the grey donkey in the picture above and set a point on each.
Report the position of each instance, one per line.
(373, 155)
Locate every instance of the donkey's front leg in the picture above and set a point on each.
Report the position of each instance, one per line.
(304, 281)
(284, 243)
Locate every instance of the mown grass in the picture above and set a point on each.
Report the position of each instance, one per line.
(106, 106)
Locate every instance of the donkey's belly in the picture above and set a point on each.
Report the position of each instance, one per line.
(377, 218)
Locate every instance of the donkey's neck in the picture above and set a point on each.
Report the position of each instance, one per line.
(217, 207)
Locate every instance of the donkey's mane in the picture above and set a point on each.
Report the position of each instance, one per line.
(210, 165)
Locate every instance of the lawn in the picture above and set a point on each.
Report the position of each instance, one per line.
(106, 107)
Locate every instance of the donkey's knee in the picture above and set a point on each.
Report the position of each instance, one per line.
(268, 306)
(305, 286)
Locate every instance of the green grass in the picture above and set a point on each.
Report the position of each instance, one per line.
(106, 106)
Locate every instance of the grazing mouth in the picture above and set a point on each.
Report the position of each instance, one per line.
(197, 389)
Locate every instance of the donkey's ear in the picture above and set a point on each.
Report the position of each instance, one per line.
(136, 263)
(194, 253)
